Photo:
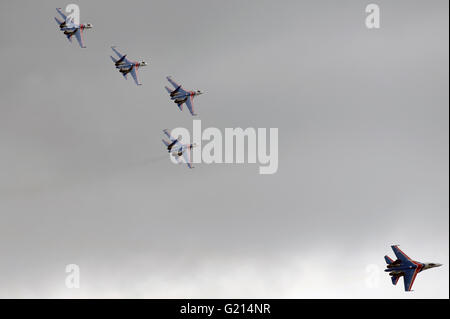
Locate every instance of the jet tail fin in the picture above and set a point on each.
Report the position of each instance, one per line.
(388, 260)
(113, 59)
(59, 22)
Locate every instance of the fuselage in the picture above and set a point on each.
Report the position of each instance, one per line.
(120, 61)
(181, 97)
(404, 267)
(72, 28)
(125, 68)
(69, 31)
(171, 145)
(178, 150)
(398, 266)
(398, 269)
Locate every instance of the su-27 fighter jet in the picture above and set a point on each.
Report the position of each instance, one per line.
(180, 96)
(70, 28)
(178, 149)
(406, 267)
(126, 66)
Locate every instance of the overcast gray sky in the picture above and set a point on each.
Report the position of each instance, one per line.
(363, 150)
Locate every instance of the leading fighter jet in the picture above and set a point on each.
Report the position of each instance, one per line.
(406, 267)
(70, 28)
(178, 149)
(126, 66)
(181, 96)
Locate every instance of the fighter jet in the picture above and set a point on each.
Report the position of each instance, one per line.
(126, 66)
(406, 267)
(181, 96)
(178, 149)
(70, 28)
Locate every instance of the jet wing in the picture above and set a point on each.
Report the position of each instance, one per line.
(178, 87)
(134, 75)
(117, 52)
(173, 91)
(120, 55)
(79, 35)
(409, 277)
(175, 84)
(172, 139)
(401, 255)
(190, 105)
(59, 22)
(165, 142)
(61, 14)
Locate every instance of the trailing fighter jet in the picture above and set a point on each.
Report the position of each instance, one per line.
(406, 267)
(70, 28)
(126, 66)
(178, 149)
(181, 96)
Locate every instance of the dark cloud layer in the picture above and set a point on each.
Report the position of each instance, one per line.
(363, 151)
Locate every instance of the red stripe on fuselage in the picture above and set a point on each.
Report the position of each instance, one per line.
(416, 271)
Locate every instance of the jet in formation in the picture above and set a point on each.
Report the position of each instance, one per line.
(126, 66)
(178, 149)
(180, 96)
(70, 28)
(405, 267)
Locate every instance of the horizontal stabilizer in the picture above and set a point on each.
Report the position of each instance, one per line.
(388, 260)
(395, 279)
(168, 90)
(59, 22)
